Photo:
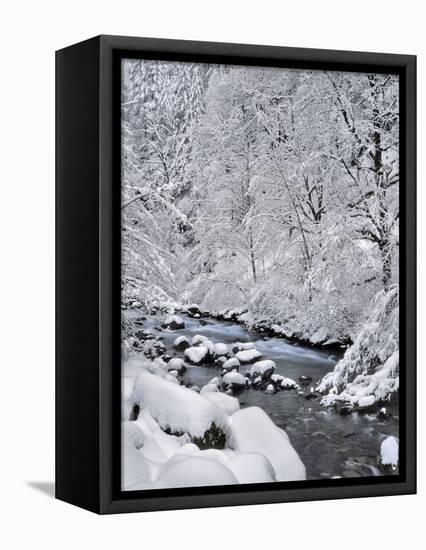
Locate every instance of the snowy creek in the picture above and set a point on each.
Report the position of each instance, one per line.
(329, 444)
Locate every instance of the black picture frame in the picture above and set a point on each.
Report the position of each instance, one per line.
(88, 274)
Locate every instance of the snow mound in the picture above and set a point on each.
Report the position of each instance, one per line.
(177, 408)
(135, 468)
(253, 431)
(227, 403)
(195, 471)
(248, 355)
(199, 339)
(289, 384)
(251, 468)
(174, 322)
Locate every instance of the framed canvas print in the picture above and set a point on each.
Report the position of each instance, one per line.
(235, 274)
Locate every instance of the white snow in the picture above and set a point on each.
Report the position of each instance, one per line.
(208, 388)
(251, 468)
(195, 471)
(226, 402)
(288, 384)
(253, 431)
(176, 407)
(389, 452)
(366, 401)
(174, 319)
(196, 354)
(135, 468)
(270, 389)
(248, 355)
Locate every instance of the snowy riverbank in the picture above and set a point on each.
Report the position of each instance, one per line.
(187, 424)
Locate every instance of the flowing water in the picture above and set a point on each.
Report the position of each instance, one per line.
(328, 443)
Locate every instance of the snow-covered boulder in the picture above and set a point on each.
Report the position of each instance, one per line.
(153, 349)
(180, 410)
(197, 354)
(177, 364)
(389, 454)
(289, 384)
(199, 340)
(220, 350)
(251, 468)
(231, 364)
(270, 389)
(234, 380)
(194, 471)
(264, 369)
(174, 322)
(253, 431)
(248, 355)
(193, 310)
(240, 346)
(227, 403)
(132, 435)
(181, 343)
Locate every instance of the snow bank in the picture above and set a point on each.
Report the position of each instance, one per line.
(135, 468)
(177, 408)
(248, 355)
(370, 367)
(253, 431)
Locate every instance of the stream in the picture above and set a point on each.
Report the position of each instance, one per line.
(329, 444)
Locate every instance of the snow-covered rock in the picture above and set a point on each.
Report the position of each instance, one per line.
(234, 379)
(231, 364)
(177, 408)
(174, 322)
(196, 354)
(199, 340)
(153, 349)
(177, 364)
(270, 389)
(289, 384)
(253, 431)
(220, 349)
(181, 343)
(264, 369)
(389, 454)
(240, 346)
(248, 355)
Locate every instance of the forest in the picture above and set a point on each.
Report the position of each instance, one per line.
(268, 197)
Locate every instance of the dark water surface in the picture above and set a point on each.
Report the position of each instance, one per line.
(329, 444)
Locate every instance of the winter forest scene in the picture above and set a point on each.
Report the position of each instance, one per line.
(260, 274)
